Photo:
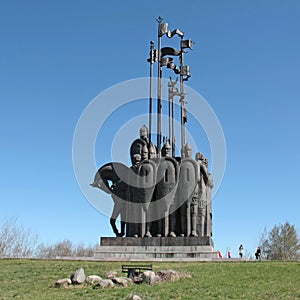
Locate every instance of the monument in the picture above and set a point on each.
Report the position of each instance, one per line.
(163, 200)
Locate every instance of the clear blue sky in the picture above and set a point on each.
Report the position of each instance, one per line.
(56, 56)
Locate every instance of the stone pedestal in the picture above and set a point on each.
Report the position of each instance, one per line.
(156, 248)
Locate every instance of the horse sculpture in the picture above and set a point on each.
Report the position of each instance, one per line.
(109, 179)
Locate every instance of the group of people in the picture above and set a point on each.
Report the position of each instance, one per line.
(241, 253)
(257, 253)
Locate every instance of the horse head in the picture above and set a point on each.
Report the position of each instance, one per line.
(109, 178)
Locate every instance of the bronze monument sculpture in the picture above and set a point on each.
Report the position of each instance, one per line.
(161, 195)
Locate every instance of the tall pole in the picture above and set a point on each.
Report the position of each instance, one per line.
(159, 102)
(172, 131)
(172, 92)
(182, 102)
(150, 93)
(170, 111)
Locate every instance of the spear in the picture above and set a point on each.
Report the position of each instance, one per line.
(182, 102)
(184, 71)
(159, 103)
(151, 60)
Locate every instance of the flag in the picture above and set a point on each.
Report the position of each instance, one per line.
(185, 71)
(164, 29)
(168, 62)
(169, 51)
(187, 44)
(165, 61)
(176, 31)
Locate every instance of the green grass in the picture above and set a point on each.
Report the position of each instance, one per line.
(33, 279)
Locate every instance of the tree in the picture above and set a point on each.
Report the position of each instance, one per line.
(15, 241)
(84, 251)
(65, 248)
(281, 243)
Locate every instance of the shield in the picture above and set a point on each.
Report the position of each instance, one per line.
(142, 185)
(167, 178)
(147, 180)
(187, 192)
(188, 179)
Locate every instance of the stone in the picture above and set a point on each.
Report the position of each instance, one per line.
(168, 275)
(148, 277)
(91, 279)
(129, 280)
(106, 283)
(135, 297)
(63, 282)
(78, 276)
(121, 281)
(137, 280)
(111, 275)
(156, 279)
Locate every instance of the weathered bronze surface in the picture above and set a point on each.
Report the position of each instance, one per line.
(160, 194)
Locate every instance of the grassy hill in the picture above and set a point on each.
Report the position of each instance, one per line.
(33, 279)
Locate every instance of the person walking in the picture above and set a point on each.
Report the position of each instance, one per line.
(241, 251)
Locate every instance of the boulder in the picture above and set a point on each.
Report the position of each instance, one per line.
(148, 277)
(129, 280)
(78, 276)
(91, 279)
(106, 283)
(137, 279)
(121, 281)
(156, 279)
(110, 275)
(63, 282)
(168, 275)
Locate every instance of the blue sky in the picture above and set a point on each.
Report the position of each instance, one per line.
(56, 56)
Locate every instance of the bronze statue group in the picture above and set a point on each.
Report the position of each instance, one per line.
(159, 195)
